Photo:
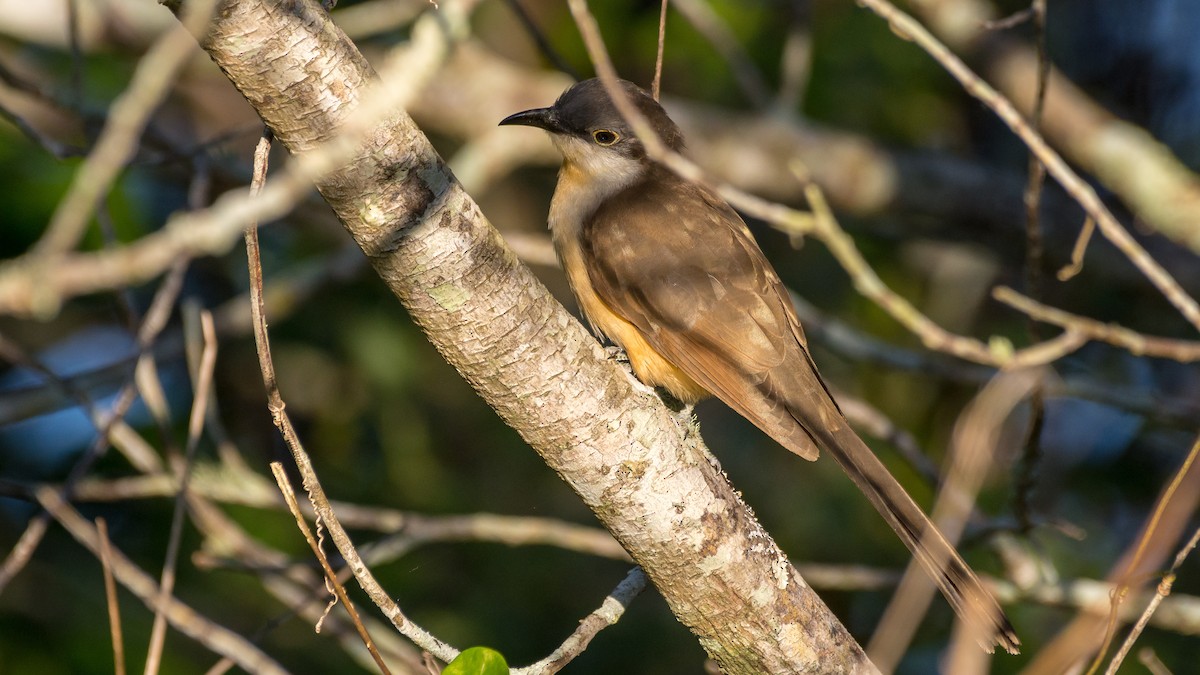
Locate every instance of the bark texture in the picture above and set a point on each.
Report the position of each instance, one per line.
(643, 472)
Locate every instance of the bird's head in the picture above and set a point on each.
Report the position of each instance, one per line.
(591, 134)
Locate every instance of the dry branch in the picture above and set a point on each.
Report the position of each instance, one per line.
(182, 617)
(642, 471)
(1127, 159)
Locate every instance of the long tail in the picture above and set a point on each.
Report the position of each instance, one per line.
(957, 581)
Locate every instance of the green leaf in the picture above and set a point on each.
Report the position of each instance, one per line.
(478, 661)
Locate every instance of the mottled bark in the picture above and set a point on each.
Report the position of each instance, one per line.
(645, 474)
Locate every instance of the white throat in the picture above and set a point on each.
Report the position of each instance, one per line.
(589, 175)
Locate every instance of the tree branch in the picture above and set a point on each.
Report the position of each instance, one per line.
(644, 473)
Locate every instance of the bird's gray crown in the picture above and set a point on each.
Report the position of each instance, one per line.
(586, 112)
(586, 107)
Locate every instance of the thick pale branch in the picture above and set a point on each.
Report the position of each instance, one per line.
(644, 473)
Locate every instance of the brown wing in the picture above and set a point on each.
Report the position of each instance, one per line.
(680, 265)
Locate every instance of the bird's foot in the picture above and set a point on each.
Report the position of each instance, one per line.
(615, 353)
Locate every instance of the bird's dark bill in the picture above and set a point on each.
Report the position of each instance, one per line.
(542, 118)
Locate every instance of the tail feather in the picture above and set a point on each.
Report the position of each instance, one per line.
(958, 582)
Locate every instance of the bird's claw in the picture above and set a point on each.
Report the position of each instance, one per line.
(615, 353)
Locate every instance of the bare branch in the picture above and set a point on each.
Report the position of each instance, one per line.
(183, 618)
(1083, 193)
(110, 598)
(604, 616)
(289, 496)
(1164, 589)
(128, 117)
(1185, 351)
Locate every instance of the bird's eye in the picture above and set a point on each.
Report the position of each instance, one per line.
(605, 137)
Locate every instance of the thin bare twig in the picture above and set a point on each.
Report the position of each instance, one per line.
(1075, 644)
(609, 612)
(1037, 173)
(110, 597)
(904, 25)
(1164, 589)
(1081, 242)
(130, 113)
(1139, 344)
(200, 396)
(1143, 544)
(183, 618)
(312, 485)
(1031, 453)
(656, 85)
(289, 497)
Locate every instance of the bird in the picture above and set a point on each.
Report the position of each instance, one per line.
(664, 268)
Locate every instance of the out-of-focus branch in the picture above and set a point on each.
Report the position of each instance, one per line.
(183, 618)
(1127, 159)
(109, 427)
(118, 142)
(1137, 343)
(1142, 560)
(200, 397)
(1083, 193)
(718, 33)
(614, 442)
(110, 597)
